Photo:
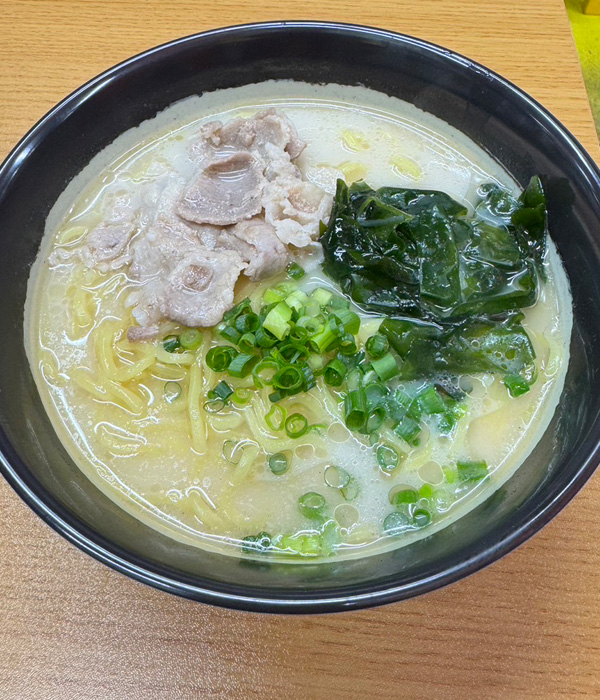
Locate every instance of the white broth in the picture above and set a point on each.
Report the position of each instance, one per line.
(131, 415)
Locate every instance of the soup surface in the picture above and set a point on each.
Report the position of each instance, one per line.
(212, 457)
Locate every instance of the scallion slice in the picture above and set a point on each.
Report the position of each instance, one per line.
(403, 496)
(296, 425)
(229, 333)
(385, 367)
(375, 419)
(334, 372)
(388, 458)
(171, 343)
(241, 396)
(347, 344)
(242, 365)
(191, 339)
(214, 405)
(275, 418)
(355, 409)
(395, 523)
(311, 505)
(277, 320)
(421, 517)
(348, 319)
(295, 271)
(264, 372)
(247, 342)
(222, 391)
(336, 477)
(278, 463)
(472, 470)
(377, 346)
(288, 378)
(516, 385)
(219, 358)
(247, 322)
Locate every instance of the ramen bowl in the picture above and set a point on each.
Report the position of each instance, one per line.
(516, 131)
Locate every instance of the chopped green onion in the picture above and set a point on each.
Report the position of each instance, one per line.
(298, 333)
(221, 391)
(408, 429)
(348, 319)
(321, 296)
(273, 295)
(376, 394)
(311, 325)
(233, 313)
(264, 339)
(430, 402)
(288, 378)
(472, 470)
(375, 419)
(402, 496)
(337, 302)
(229, 333)
(311, 505)
(315, 362)
(171, 343)
(219, 358)
(247, 323)
(385, 367)
(309, 378)
(172, 391)
(241, 396)
(275, 418)
(336, 477)
(421, 517)
(191, 339)
(277, 320)
(297, 300)
(264, 372)
(290, 352)
(426, 491)
(377, 346)
(296, 425)
(347, 344)
(242, 365)
(350, 492)
(334, 372)
(295, 271)
(395, 523)
(278, 463)
(388, 458)
(247, 342)
(214, 405)
(322, 340)
(516, 385)
(355, 409)
(256, 544)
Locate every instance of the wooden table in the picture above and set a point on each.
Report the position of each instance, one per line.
(72, 629)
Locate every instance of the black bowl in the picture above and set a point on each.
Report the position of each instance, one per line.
(507, 123)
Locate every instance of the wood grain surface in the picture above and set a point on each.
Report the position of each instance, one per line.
(70, 628)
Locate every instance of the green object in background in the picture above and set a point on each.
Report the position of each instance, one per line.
(586, 32)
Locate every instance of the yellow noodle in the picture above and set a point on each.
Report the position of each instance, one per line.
(247, 461)
(195, 411)
(173, 358)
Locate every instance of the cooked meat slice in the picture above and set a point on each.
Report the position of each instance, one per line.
(106, 243)
(181, 280)
(200, 288)
(259, 246)
(266, 127)
(136, 334)
(228, 190)
(295, 208)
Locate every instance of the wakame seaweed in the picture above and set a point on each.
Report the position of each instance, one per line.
(449, 282)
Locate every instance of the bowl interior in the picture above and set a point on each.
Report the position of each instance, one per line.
(516, 131)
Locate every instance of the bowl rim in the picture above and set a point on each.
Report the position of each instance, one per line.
(86, 539)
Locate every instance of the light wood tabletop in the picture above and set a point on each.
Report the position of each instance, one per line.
(70, 628)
